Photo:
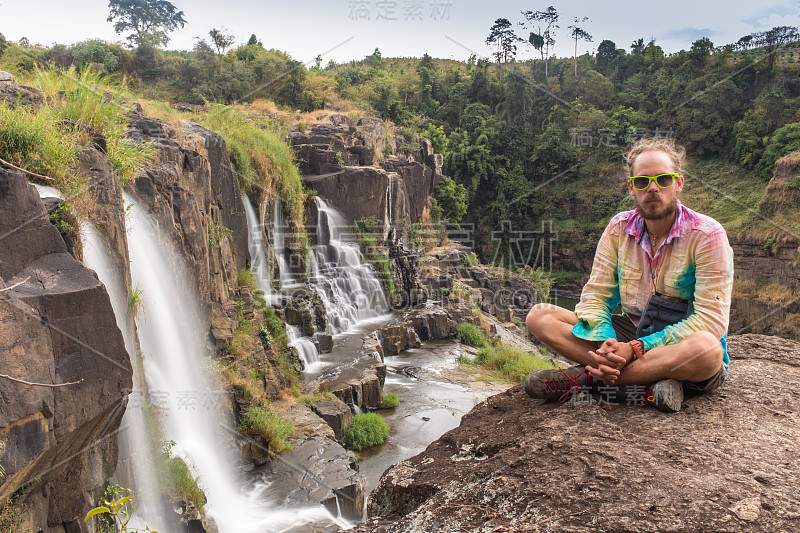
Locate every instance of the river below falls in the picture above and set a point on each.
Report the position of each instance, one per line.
(434, 393)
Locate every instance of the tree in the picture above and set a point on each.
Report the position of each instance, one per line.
(701, 50)
(252, 40)
(150, 20)
(452, 199)
(548, 18)
(503, 34)
(221, 41)
(578, 33)
(3, 44)
(773, 39)
(606, 54)
(745, 42)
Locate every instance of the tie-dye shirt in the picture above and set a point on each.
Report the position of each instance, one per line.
(695, 262)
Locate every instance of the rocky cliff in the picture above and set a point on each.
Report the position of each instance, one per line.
(59, 442)
(346, 166)
(724, 463)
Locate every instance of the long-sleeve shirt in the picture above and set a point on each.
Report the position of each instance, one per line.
(695, 262)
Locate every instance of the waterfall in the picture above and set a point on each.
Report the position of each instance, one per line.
(258, 258)
(136, 441)
(305, 347)
(345, 281)
(259, 264)
(289, 280)
(172, 333)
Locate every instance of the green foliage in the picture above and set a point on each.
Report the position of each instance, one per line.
(437, 136)
(245, 278)
(366, 232)
(217, 233)
(275, 330)
(271, 426)
(149, 20)
(135, 303)
(390, 400)
(471, 335)
(782, 142)
(94, 52)
(115, 510)
(36, 142)
(770, 246)
(174, 477)
(542, 281)
(794, 183)
(365, 431)
(78, 100)
(510, 363)
(451, 197)
(318, 397)
(469, 260)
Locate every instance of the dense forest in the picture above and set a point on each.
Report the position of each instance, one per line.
(523, 141)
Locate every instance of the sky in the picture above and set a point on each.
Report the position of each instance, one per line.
(341, 30)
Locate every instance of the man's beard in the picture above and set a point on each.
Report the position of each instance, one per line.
(656, 211)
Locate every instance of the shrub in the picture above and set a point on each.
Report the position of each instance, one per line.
(271, 426)
(471, 335)
(365, 430)
(390, 400)
(175, 478)
(470, 260)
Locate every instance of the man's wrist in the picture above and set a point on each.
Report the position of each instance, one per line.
(638, 348)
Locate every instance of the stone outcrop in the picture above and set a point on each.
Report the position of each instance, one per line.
(57, 327)
(724, 463)
(495, 290)
(339, 162)
(16, 94)
(359, 383)
(328, 470)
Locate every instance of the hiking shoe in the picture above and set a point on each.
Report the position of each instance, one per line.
(666, 395)
(558, 383)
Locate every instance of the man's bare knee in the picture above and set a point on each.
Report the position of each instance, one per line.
(703, 354)
(539, 317)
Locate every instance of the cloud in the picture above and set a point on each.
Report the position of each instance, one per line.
(786, 12)
(777, 20)
(690, 34)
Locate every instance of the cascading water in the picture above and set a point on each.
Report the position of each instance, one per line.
(171, 334)
(259, 265)
(136, 444)
(289, 280)
(345, 281)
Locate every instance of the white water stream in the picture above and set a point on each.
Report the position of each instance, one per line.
(347, 284)
(133, 429)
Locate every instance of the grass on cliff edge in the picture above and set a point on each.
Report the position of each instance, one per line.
(48, 141)
(271, 426)
(507, 363)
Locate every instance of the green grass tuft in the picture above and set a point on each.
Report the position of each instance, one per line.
(273, 427)
(365, 430)
(509, 363)
(390, 400)
(471, 335)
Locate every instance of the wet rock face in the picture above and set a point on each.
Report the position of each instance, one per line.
(724, 463)
(58, 327)
(328, 470)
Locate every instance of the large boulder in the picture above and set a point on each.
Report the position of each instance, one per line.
(56, 328)
(723, 463)
(327, 472)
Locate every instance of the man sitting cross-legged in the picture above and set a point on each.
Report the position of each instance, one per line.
(660, 247)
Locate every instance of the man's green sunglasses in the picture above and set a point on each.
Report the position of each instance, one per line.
(640, 183)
